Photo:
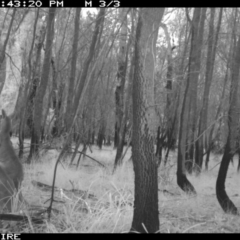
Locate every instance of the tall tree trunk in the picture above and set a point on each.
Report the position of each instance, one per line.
(73, 69)
(193, 75)
(210, 139)
(170, 110)
(121, 79)
(212, 44)
(22, 103)
(145, 215)
(101, 135)
(38, 103)
(230, 148)
(2, 52)
(121, 105)
(121, 76)
(187, 96)
(83, 78)
(180, 80)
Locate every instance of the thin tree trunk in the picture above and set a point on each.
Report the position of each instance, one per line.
(187, 96)
(27, 101)
(73, 69)
(210, 140)
(83, 78)
(123, 107)
(121, 77)
(38, 103)
(182, 180)
(194, 73)
(3, 50)
(213, 39)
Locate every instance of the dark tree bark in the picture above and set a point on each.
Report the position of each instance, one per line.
(180, 81)
(182, 180)
(92, 137)
(210, 137)
(188, 157)
(123, 108)
(121, 77)
(101, 136)
(145, 215)
(78, 97)
(38, 103)
(193, 74)
(159, 145)
(169, 108)
(73, 69)
(26, 111)
(86, 65)
(212, 44)
(230, 148)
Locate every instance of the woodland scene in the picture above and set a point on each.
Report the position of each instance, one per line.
(119, 120)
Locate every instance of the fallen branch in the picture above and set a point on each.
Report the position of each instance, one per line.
(95, 160)
(80, 192)
(14, 217)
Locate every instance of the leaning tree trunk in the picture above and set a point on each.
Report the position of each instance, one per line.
(145, 215)
(233, 118)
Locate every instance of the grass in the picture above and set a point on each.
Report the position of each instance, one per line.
(109, 208)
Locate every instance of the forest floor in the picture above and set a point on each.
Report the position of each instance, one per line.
(91, 199)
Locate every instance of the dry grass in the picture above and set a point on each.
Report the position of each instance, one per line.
(202, 213)
(110, 205)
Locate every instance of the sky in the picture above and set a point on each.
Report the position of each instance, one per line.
(85, 10)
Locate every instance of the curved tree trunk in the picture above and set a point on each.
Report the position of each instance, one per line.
(233, 118)
(145, 215)
(210, 137)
